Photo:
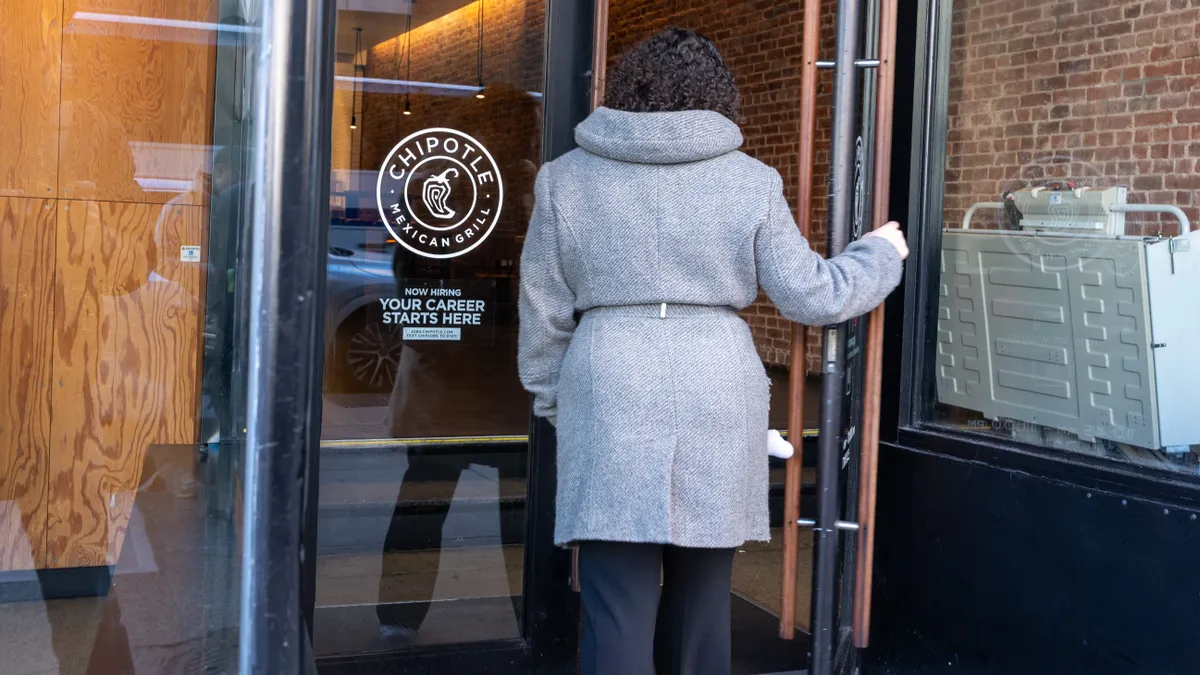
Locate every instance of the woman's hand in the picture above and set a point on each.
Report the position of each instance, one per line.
(891, 232)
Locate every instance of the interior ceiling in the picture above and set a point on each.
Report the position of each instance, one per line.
(381, 20)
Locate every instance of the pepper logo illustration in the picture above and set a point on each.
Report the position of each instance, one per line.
(435, 192)
(439, 193)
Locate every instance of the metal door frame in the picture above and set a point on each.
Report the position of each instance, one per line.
(847, 438)
(294, 94)
(284, 419)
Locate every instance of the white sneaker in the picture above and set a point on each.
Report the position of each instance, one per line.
(778, 447)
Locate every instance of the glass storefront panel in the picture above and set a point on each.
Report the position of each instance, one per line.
(435, 145)
(122, 135)
(1067, 314)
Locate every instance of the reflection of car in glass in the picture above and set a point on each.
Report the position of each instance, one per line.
(361, 351)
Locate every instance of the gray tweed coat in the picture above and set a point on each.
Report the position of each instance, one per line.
(662, 416)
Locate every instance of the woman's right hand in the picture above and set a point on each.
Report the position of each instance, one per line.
(891, 232)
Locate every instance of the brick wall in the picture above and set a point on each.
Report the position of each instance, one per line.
(760, 40)
(1099, 91)
(507, 121)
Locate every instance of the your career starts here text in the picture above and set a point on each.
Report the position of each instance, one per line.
(432, 307)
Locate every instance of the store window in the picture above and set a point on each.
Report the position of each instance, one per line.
(124, 164)
(436, 141)
(1068, 306)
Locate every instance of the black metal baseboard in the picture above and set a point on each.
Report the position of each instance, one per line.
(55, 584)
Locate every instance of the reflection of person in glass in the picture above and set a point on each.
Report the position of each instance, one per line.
(438, 383)
(657, 231)
(224, 234)
(460, 388)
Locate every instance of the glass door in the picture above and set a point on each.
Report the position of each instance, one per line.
(428, 528)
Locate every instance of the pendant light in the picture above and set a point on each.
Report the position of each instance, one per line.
(408, 59)
(354, 90)
(479, 57)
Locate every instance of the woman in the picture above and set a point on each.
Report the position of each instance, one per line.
(655, 232)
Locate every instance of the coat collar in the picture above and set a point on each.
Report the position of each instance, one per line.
(658, 137)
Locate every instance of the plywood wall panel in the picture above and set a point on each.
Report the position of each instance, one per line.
(30, 53)
(27, 240)
(137, 98)
(127, 330)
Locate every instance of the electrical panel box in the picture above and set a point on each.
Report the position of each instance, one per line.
(1094, 335)
(1072, 210)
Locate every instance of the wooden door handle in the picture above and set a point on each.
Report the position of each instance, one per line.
(869, 464)
(804, 206)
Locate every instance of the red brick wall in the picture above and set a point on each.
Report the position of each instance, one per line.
(760, 40)
(1100, 91)
(507, 121)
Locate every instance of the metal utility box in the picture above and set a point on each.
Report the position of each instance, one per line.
(1091, 334)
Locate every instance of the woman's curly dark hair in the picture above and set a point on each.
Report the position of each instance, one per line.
(676, 69)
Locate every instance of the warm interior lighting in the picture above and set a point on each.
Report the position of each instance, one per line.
(354, 92)
(479, 53)
(407, 57)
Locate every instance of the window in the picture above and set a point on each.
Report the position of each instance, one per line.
(435, 145)
(126, 137)
(1067, 304)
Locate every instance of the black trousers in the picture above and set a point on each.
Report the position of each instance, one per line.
(629, 629)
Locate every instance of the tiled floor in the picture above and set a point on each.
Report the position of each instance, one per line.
(758, 569)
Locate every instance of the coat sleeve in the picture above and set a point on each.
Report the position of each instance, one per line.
(809, 289)
(547, 305)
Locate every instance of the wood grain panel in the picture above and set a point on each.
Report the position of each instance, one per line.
(30, 66)
(127, 337)
(137, 99)
(27, 239)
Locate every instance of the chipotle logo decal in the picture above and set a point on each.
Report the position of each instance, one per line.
(439, 193)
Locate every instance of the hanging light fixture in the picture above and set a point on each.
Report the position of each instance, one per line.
(354, 91)
(479, 57)
(408, 59)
